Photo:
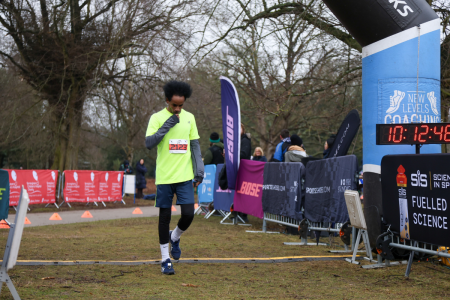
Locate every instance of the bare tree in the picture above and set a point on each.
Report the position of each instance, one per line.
(292, 76)
(58, 47)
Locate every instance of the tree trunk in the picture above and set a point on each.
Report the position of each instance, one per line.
(67, 120)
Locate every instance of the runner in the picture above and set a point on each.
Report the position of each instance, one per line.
(179, 161)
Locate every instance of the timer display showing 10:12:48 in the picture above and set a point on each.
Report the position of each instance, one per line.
(420, 133)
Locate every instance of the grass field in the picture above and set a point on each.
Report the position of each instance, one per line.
(136, 239)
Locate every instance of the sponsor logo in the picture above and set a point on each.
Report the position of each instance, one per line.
(318, 190)
(416, 103)
(230, 136)
(53, 175)
(402, 11)
(106, 176)
(35, 176)
(395, 101)
(204, 188)
(75, 176)
(250, 189)
(402, 180)
(118, 177)
(274, 187)
(14, 175)
(418, 179)
(92, 176)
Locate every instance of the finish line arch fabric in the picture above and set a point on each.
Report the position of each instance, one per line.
(401, 79)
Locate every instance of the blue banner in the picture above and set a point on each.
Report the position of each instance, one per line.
(231, 126)
(223, 199)
(206, 188)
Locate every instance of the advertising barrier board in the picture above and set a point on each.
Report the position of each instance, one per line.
(206, 188)
(416, 196)
(92, 186)
(249, 183)
(326, 182)
(40, 184)
(223, 199)
(282, 189)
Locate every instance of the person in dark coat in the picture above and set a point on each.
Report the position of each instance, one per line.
(246, 144)
(258, 155)
(214, 155)
(126, 168)
(246, 153)
(327, 147)
(141, 182)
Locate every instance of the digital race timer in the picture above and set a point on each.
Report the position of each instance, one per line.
(418, 133)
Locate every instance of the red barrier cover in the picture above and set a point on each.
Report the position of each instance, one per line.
(110, 187)
(90, 186)
(40, 185)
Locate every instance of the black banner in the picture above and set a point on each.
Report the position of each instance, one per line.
(416, 196)
(369, 21)
(326, 182)
(282, 192)
(345, 135)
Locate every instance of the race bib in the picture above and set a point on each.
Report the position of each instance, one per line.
(178, 146)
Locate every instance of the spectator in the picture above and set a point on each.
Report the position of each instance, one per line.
(141, 182)
(246, 144)
(296, 151)
(213, 155)
(327, 147)
(126, 168)
(284, 137)
(258, 155)
(246, 152)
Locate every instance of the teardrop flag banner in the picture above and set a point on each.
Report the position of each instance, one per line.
(231, 125)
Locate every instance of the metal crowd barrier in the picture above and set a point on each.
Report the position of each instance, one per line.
(291, 222)
(414, 247)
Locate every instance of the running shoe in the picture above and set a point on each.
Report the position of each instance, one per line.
(167, 267)
(175, 247)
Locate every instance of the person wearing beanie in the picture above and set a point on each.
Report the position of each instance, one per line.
(327, 147)
(213, 155)
(296, 151)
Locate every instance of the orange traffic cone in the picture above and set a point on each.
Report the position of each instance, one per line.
(27, 221)
(137, 211)
(195, 206)
(55, 217)
(3, 224)
(173, 208)
(87, 214)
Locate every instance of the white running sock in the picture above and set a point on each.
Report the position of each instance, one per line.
(176, 233)
(164, 251)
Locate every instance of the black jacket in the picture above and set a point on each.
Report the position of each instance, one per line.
(246, 147)
(260, 158)
(141, 183)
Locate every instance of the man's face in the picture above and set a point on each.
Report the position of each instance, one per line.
(176, 104)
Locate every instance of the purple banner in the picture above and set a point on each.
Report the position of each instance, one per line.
(249, 188)
(231, 126)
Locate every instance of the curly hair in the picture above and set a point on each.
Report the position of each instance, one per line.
(178, 88)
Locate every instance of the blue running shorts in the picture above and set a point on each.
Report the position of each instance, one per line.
(183, 190)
